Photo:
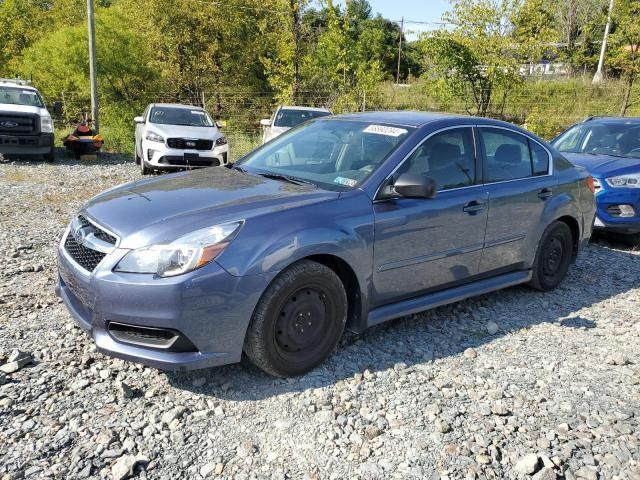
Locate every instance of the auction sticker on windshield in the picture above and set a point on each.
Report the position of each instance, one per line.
(349, 182)
(385, 130)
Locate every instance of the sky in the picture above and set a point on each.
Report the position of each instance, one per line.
(411, 10)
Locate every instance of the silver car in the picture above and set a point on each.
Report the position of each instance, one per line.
(173, 136)
(285, 118)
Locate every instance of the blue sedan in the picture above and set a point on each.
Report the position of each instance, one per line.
(609, 148)
(342, 222)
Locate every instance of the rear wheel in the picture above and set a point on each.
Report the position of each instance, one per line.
(298, 321)
(553, 257)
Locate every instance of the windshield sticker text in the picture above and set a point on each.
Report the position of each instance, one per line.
(349, 182)
(384, 130)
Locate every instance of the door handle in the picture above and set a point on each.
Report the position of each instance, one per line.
(545, 193)
(473, 207)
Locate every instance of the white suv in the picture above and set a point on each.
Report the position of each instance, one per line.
(172, 136)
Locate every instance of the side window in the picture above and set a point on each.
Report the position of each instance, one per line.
(507, 154)
(539, 158)
(447, 157)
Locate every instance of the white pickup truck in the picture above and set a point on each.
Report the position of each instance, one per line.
(26, 127)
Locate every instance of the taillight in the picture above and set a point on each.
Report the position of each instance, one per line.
(590, 184)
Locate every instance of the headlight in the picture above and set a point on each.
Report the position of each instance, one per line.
(625, 181)
(221, 141)
(154, 137)
(46, 125)
(182, 255)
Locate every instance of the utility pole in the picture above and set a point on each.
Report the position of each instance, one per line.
(93, 70)
(599, 76)
(400, 50)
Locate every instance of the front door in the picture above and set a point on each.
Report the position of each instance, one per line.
(427, 244)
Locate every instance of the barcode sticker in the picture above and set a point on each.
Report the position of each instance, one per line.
(384, 130)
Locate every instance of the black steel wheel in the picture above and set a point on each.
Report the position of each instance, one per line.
(298, 321)
(553, 257)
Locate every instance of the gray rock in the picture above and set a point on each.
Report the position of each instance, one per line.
(174, 414)
(492, 328)
(16, 361)
(545, 473)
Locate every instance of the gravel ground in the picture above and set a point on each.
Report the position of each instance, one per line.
(507, 385)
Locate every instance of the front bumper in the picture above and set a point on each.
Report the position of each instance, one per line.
(40, 144)
(160, 156)
(209, 307)
(606, 201)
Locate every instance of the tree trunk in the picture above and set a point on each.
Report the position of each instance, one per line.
(627, 94)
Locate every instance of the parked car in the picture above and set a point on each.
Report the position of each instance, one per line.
(26, 127)
(172, 136)
(344, 222)
(609, 148)
(285, 118)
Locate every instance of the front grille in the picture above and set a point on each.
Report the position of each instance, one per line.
(97, 231)
(198, 144)
(83, 256)
(180, 161)
(614, 210)
(17, 124)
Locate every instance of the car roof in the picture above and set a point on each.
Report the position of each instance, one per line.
(411, 118)
(23, 84)
(617, 120)
(294, 107)
(177, 105)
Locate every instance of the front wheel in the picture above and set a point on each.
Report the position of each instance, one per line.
(49, 156)
(298, 321)
(144, 170)
(553, 257)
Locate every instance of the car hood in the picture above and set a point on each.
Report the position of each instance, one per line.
(13, 108)
(604, 165)
(166, 207)
(181, 131)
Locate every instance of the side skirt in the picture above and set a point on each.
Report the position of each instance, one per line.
(455, 294)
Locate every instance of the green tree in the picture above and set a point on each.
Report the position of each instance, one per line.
(477, 56)
(534, 29)
(624, 52)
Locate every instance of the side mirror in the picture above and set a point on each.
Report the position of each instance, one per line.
(265, 122)
(415, 186)
(218, 124)
(138, 120)
(57, 108)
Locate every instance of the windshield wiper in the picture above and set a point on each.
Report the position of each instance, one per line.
(287, 178)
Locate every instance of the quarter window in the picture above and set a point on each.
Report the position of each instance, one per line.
(447, 157)
(511, 156)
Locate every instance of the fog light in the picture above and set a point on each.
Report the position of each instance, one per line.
(627, 211)
(150, 154)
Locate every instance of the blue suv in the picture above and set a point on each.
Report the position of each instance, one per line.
(342, 222)
(609, 148)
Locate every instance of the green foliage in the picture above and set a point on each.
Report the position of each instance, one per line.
(477, 56)
(625, 46)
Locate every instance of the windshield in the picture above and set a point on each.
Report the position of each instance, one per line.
(332, 154)
(291, 118)
(617, 139)
(180, 116)
(20, 96)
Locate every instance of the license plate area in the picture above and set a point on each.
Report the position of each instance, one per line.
(191, 157)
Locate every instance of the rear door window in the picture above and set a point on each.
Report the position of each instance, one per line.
(511, 156)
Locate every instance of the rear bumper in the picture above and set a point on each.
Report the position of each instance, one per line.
(608, 198)
(26, 144)
(209, 307)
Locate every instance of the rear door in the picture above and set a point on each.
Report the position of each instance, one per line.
(517, 176)
(428, 244)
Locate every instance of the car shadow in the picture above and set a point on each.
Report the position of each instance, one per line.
(442, 332)
(64, 157)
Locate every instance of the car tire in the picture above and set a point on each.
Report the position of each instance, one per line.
(553, 257)
(135, 154)
(298, 321)
(144, 170)
(49, 156)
